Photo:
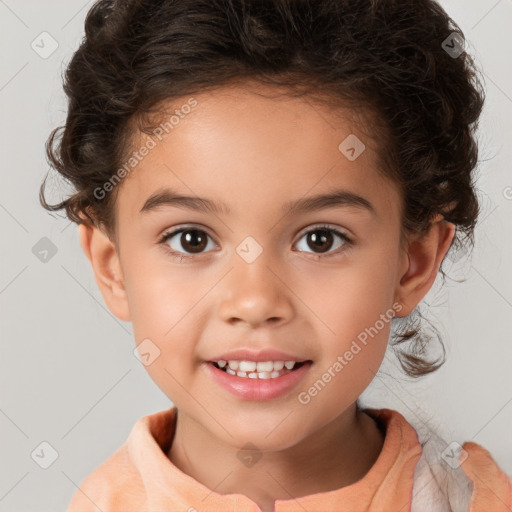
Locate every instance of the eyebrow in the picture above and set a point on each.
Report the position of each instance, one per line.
(334, 198)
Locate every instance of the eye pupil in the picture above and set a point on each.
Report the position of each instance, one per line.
(325, 235)
(193, 241)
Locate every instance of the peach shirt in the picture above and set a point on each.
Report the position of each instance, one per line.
(140, 477)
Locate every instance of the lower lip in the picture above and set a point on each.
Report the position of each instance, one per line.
(258, 389)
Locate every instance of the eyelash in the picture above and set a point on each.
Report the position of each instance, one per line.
(181, 256)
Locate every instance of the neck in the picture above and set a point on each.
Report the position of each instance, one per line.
(337, 455)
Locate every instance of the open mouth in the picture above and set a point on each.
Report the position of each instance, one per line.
(258, 381)
(277, 370)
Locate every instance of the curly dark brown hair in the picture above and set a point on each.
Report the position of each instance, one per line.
(390, 58)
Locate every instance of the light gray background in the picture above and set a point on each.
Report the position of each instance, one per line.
(68, 373)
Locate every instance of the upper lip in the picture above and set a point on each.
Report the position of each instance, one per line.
(268, 354)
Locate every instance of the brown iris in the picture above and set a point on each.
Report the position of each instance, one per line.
(193, 240)
(318, 239)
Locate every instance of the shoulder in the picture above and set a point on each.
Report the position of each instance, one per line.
(492, 487)
(111, 486)
(119, 483)
(451, 477)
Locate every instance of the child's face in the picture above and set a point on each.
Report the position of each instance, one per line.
(254, 155)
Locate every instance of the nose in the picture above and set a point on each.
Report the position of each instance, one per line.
(256, 294)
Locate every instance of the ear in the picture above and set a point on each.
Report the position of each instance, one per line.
(102, 254)
(422, 260)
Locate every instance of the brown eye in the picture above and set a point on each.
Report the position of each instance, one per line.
(322, 239)
(190, 241)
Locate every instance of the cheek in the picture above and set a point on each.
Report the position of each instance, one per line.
(352, 355)
(349, 300)
(160, 295)
(162, 303)
(354, 305)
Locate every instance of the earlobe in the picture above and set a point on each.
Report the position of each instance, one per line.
(102, 254)
(424, 256)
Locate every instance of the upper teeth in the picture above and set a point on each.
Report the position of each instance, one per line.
(251, 366)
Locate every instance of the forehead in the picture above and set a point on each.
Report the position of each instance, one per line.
(241, 144)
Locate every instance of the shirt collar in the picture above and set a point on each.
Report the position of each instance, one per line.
(388, 483)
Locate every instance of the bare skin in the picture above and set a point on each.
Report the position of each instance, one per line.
(291, 472)
(255, 154)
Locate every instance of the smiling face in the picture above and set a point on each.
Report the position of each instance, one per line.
(254, 273)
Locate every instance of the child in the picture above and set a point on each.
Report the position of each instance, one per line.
(268, 130)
